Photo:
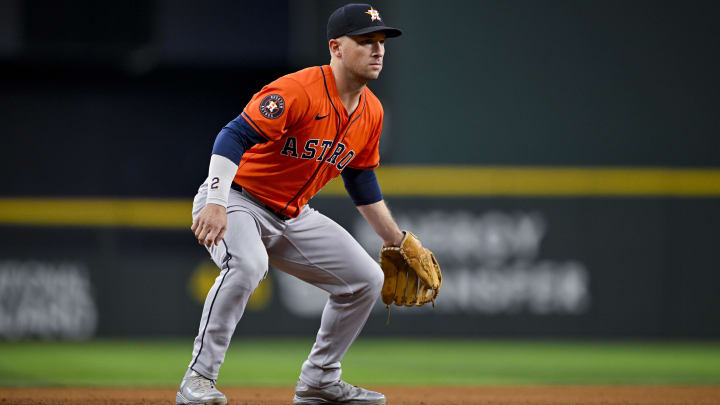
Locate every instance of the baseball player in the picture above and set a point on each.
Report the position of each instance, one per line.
(294, 136)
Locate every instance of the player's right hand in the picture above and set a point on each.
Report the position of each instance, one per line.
(210, 224)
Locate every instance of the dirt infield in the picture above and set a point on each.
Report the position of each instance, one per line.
(555, 395)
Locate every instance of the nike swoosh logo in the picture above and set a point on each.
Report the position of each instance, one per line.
(318, 117)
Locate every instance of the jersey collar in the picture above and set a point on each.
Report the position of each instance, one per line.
(335, 96)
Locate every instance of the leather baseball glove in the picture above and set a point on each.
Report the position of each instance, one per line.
(412, 274)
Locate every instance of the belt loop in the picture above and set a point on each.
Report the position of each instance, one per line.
(236, 187)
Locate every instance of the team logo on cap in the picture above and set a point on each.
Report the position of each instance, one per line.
(272, 106)
(374, 14)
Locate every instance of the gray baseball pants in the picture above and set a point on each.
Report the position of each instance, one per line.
(311, 247)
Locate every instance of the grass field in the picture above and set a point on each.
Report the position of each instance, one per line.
(276, 362)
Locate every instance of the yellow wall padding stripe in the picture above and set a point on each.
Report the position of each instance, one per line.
(420, 181)
(543, 181)
(143, 213)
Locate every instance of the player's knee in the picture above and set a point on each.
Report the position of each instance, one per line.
(253, 269)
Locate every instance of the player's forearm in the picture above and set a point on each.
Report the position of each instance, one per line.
(379, 217)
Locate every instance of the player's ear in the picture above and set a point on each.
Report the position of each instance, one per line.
(335, 48)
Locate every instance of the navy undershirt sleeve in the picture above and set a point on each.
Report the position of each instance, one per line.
(235, 138)
(362, 185)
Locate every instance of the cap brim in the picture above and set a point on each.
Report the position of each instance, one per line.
(390, 32)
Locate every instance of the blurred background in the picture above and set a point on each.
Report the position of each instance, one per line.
(563, 157)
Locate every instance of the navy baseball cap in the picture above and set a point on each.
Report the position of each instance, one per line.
(357, 19)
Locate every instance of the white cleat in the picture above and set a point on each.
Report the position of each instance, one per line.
(198, 390)
(338, 392)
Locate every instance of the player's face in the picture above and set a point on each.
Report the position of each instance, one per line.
(363, 54)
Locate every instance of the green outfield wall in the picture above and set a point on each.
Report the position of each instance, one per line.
(514, 266)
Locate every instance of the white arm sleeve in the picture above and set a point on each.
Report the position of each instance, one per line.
(220, 176)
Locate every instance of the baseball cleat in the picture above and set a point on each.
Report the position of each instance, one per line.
(338, 392)
(198, 390)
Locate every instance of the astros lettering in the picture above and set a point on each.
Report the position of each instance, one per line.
(290, 149)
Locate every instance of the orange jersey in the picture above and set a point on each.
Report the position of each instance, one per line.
(311, 138)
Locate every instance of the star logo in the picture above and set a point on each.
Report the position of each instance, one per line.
(272, 106)
(374, 14)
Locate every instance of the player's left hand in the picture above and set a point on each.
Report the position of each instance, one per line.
(412, 273)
